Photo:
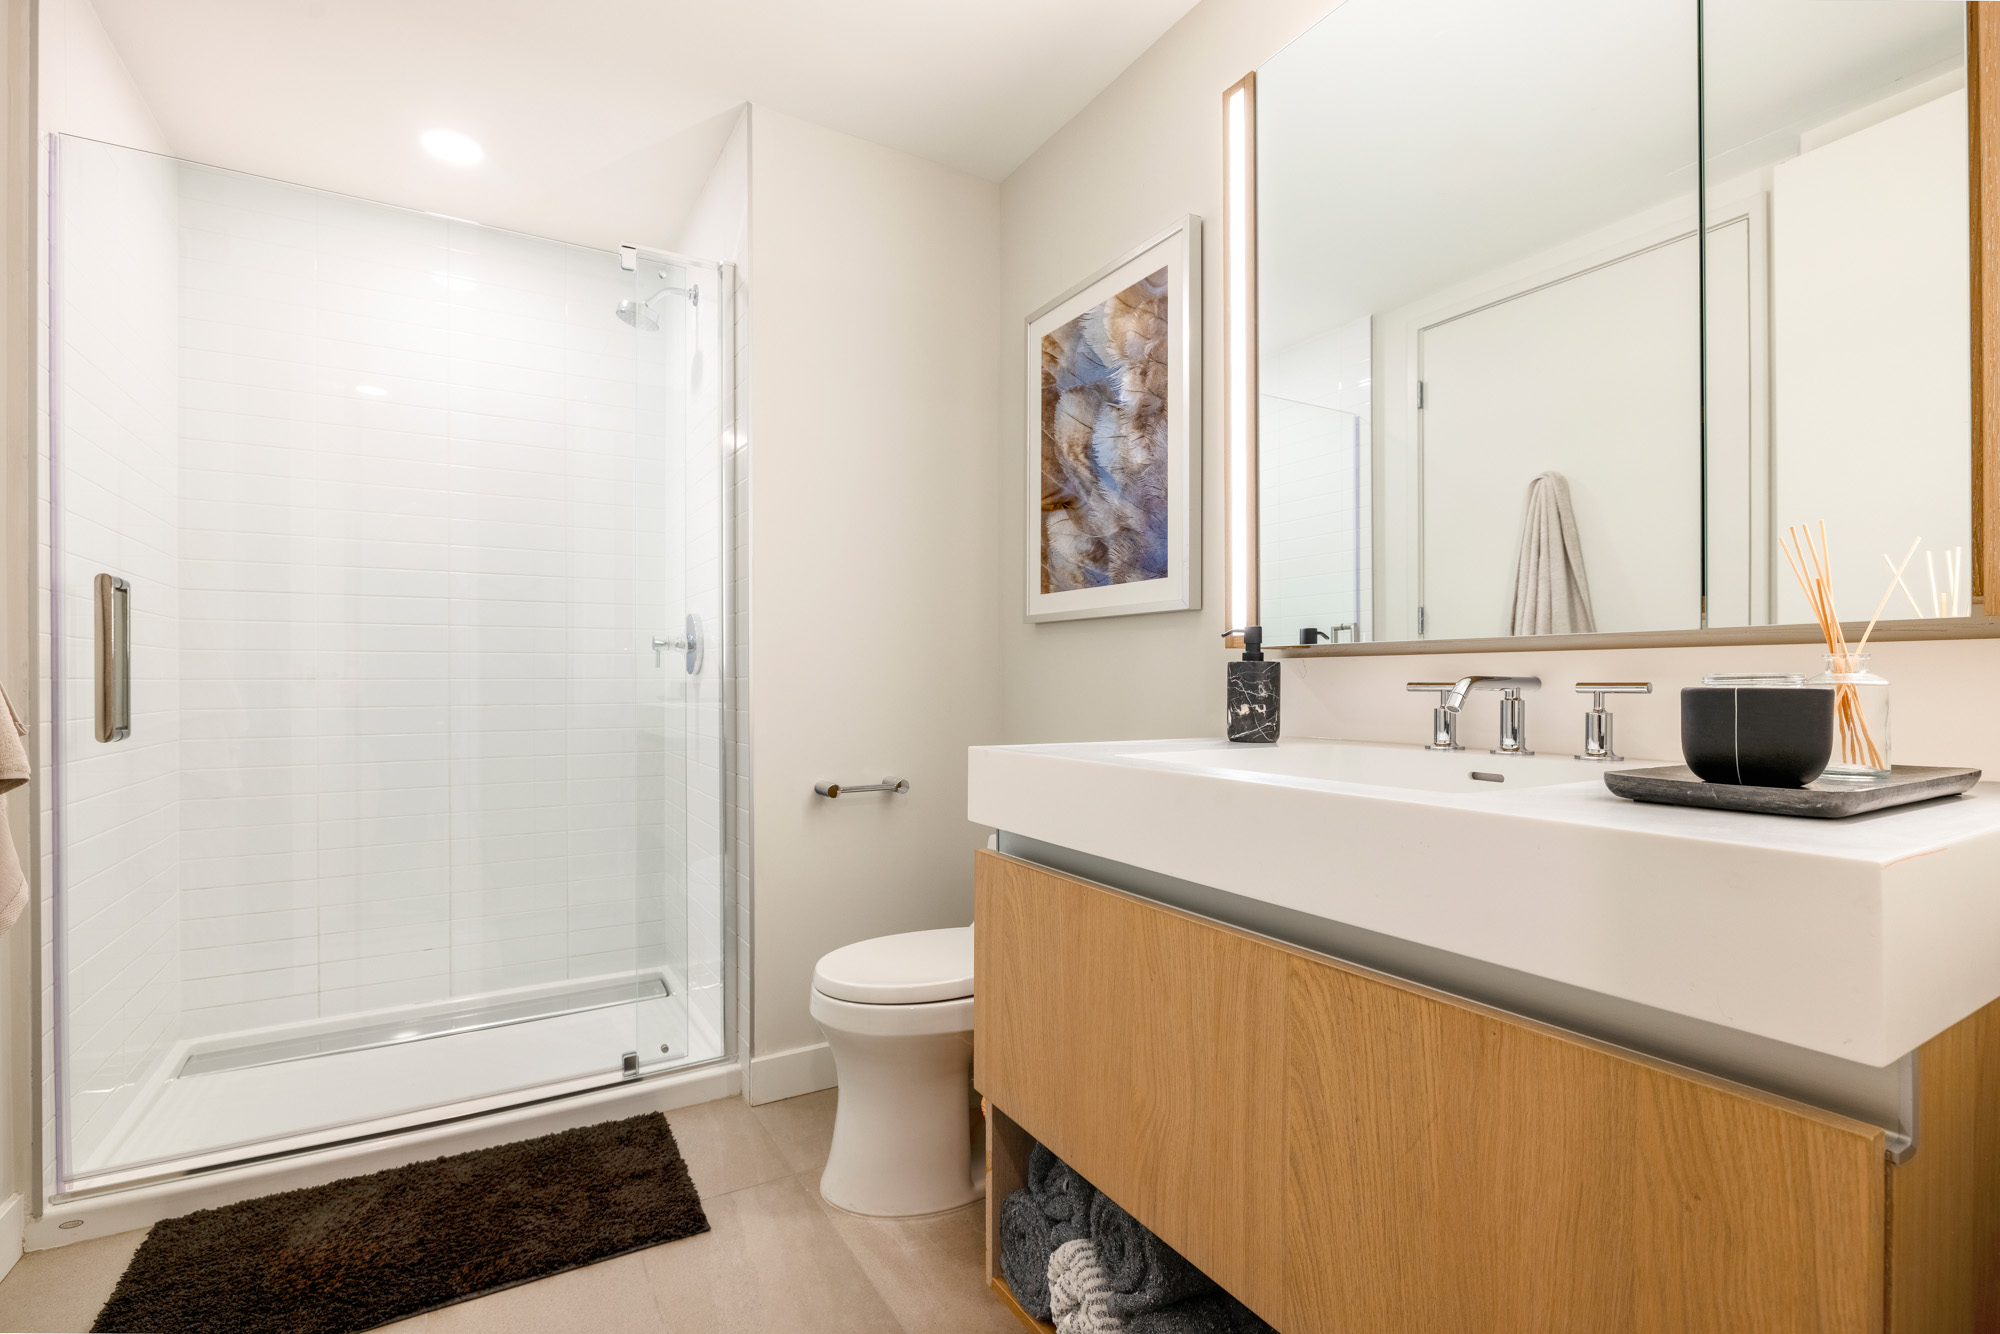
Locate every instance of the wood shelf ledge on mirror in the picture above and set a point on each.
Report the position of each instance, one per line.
(1934, 629)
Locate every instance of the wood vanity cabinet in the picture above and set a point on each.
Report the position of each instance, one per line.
(1346, 1151)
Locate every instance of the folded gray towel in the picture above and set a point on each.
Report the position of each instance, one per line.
(1025, 1248)
(1064, 1196)
(1145, 1273)
(1078, 1292)
(1217, 1313)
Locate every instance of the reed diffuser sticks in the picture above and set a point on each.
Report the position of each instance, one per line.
(1945, 600)
(1813, 564)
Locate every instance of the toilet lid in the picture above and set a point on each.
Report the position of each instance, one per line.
(908, 969)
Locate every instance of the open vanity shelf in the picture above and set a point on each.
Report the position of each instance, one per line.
(1007, 1147)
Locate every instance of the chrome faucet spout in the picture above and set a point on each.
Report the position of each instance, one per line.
(1454, 698)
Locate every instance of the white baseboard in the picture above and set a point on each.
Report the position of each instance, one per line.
(142, 1206)
(787, 1074)
(13, 1224)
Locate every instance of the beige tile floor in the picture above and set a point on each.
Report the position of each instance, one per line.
(776, 1258)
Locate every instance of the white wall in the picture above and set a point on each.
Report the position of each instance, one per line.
(84, 86)
(1148, 148)
(873, 650)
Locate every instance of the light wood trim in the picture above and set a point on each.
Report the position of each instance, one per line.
(1934, 629)
(1006, 1296)
(1249, 611)
(1982, 84)
(1155, 1068)
(1007, 1150)
(1944, 1202)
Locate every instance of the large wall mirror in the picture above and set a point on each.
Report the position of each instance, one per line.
(1565, 310)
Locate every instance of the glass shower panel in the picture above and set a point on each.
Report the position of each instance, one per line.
(415, 517)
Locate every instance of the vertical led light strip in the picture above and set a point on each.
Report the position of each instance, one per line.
(1239, 352)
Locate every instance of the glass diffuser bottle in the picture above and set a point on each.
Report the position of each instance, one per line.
(1860, 720)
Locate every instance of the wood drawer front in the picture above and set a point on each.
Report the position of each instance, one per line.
(1146, 1049)
(1344, 1151)
(1451, 1169)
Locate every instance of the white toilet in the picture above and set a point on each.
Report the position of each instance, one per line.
(897, 1012)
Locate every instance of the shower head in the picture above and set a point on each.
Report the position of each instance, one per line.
(642, 315)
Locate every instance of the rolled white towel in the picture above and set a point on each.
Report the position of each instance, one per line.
(1079, 1293)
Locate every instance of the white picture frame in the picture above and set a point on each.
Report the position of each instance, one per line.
(1177, 585)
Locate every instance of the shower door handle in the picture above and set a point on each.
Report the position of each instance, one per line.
(114, 658)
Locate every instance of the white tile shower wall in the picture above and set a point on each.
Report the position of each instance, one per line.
(424, 501)
(117, 447)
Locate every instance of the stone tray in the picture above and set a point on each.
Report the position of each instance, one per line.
(1676, 785)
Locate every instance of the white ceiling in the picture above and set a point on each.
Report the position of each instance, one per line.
(334, 93)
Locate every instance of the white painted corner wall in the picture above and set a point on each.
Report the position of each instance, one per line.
(873, 646)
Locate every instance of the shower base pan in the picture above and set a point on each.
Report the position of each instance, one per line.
(224, 1101)
(382, 1033)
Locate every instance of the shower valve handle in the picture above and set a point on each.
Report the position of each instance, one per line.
(689, 644)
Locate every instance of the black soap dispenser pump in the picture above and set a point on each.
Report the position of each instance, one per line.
(1253, 691)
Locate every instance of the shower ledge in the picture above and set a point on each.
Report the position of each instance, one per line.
(1860, 938)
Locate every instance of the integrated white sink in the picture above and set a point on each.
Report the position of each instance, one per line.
(1370, 764)
(1859, 938)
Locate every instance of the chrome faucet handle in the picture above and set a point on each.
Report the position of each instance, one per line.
(1597, 723)
(1444, 722)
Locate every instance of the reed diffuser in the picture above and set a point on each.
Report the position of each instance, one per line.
(1861, 698)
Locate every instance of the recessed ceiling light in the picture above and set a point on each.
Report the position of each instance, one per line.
(458, 149)
(371, 390)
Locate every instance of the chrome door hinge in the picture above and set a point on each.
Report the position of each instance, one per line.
(1420, 395)
(1420, 622)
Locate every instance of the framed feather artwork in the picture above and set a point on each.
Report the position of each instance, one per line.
(1114, 437)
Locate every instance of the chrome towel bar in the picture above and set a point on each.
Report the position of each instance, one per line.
(840, 789)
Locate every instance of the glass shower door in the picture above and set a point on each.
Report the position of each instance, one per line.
(411, 814)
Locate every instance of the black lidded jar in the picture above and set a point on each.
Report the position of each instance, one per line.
(1756, 729)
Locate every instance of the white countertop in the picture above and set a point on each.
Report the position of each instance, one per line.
(1860, 938)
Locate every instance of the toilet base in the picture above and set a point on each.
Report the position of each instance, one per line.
(902, 1136)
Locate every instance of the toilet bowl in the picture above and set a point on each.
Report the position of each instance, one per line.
(897, 1013)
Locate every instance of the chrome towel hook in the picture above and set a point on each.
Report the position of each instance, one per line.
(842, 789)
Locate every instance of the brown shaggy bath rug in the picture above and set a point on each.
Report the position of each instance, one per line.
(364, 1251)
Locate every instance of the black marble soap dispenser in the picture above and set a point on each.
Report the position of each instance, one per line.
(1253, 691)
